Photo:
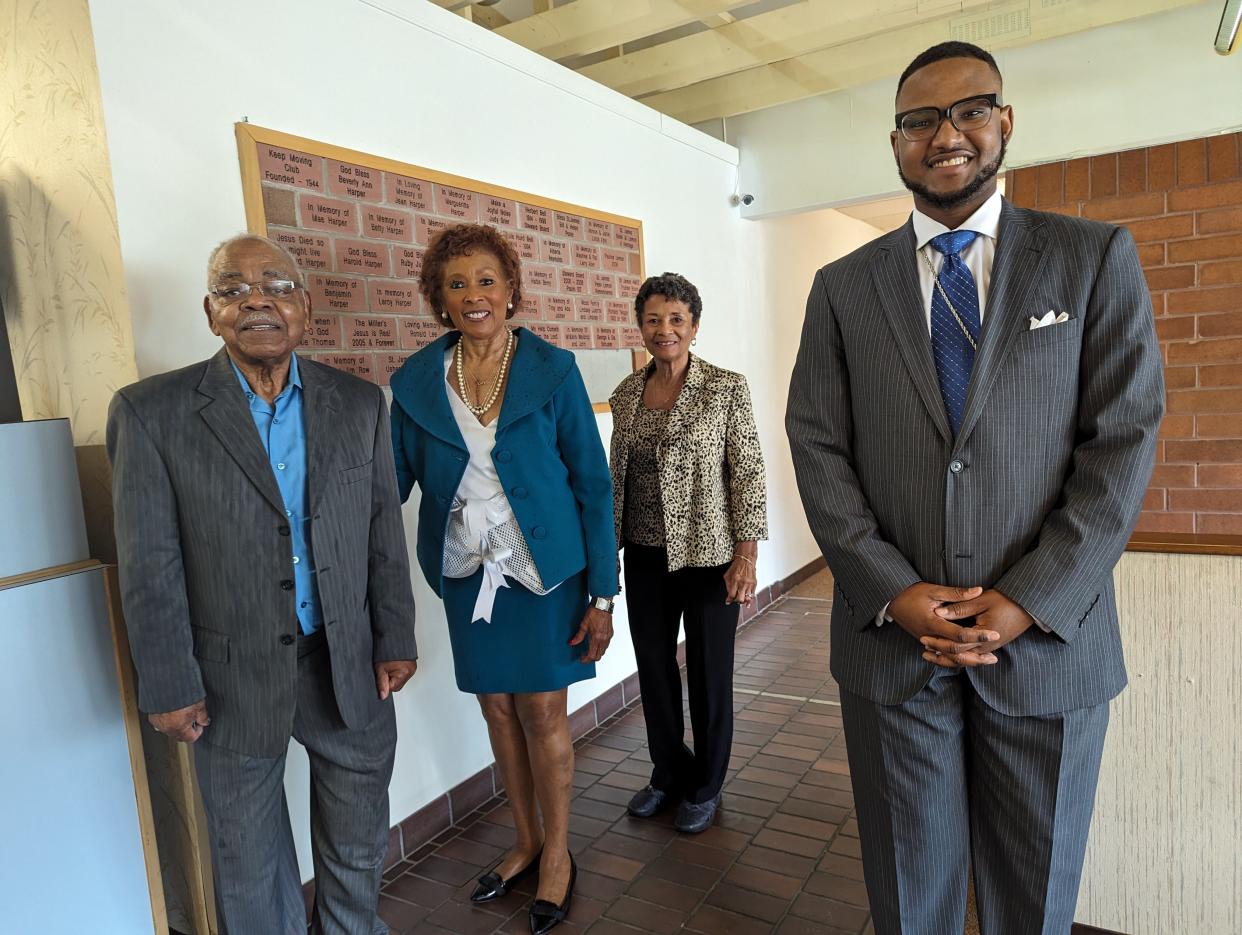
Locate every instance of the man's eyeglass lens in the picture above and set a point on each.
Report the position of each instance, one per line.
(272, 288)
(965, 115)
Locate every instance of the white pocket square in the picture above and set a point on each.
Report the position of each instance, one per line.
(1050, 318)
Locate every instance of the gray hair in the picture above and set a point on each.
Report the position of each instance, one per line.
(224, 245)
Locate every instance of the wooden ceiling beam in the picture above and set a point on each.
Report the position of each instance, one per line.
(879, 56)
(587, 26)
(761, 40)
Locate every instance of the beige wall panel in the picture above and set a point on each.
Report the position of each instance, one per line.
(60, 261)
(1166, 845)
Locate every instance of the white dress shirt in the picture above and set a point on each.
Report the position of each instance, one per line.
(978, 259)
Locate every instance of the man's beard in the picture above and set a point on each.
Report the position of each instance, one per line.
(948, 201)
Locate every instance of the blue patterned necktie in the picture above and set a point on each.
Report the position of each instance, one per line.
(953, 352)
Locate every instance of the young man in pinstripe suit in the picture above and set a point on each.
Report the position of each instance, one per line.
(973, 417)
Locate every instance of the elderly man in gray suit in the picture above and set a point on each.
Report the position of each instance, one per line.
(973, 420)
(266, 589)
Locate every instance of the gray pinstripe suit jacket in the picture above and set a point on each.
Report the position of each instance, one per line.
(1054, 454)
(205, 556)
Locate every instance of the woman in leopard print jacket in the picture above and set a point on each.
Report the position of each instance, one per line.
(689, 508)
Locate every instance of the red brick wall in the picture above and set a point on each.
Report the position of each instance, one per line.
(1183, 204)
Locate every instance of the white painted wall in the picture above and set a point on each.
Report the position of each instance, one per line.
(1146, 81)
(425, 87)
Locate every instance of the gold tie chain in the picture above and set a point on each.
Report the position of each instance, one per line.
(949, 302)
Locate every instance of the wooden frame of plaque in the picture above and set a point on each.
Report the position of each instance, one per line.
(358, 224)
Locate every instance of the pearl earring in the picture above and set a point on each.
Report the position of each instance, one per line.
(510, 306)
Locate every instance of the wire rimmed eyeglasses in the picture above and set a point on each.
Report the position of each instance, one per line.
(970, 113)
(272, 288)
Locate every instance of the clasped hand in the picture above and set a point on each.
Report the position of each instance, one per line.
(929, 612)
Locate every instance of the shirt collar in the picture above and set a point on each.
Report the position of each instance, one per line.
(295, 376)
(985, 221)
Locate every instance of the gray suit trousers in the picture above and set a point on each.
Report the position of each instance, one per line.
(944, 783)
(258, 888)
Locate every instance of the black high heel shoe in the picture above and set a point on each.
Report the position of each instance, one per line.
(545, 916)
(493, 886)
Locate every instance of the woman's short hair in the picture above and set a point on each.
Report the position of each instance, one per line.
(675, 288)
(463, 240)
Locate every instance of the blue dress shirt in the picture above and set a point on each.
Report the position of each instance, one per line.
(283, 433)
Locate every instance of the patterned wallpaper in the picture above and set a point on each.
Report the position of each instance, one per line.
(61, 278)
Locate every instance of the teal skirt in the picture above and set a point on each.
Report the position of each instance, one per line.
(525, 647)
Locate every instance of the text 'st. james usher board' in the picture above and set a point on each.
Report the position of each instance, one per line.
(358, 226)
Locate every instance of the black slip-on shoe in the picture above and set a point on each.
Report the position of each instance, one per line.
(545, 916)
(649, 801)
(694, 818)
(492, 885)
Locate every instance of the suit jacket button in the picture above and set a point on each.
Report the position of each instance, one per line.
(539, 532)
(283, 530)
(519, 493)
(286, 585)
(956, 466)
(286, 640)
(504, 456)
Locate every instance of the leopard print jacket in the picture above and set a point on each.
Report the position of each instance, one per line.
(711, 468)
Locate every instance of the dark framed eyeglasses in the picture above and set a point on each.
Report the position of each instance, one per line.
(272, 288)
(970, 113)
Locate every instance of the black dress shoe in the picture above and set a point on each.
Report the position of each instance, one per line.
(545, 916)
(648, 801)
(492, 885)
(694, 818)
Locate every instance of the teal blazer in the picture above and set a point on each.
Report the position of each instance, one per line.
(548, 455)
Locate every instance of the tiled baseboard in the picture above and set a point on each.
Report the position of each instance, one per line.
(421, 828)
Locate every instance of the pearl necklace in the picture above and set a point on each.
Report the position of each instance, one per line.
(500, 376)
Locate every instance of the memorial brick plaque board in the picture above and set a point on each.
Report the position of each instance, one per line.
(359, 224)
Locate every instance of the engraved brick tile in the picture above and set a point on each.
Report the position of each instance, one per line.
(337, 293)
(288, 167)
(536, 219)
(558, 308)
(360, 365)
(499, 212)
(586, 255)
(603, 284)
(310, 250)
(600, 232)
(347, 180)
(620, 312)
(324, 332)
(456, 204)
(417, 333)
(606, 338)
(407, 192)
(407, 262)
(615, 261)
(568, 226)
(392, 297)
(362, 256)
(526, 244)
(384, 223)
(578, 337)
(328, 214)
(573, 281)
(626, 237)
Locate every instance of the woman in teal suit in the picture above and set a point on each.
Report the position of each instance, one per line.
(514, 533)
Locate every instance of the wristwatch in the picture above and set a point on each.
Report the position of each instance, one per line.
(603, 603)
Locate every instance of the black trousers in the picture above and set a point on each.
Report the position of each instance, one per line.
(658, 601)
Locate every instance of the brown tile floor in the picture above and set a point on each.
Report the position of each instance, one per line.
(783, 857)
